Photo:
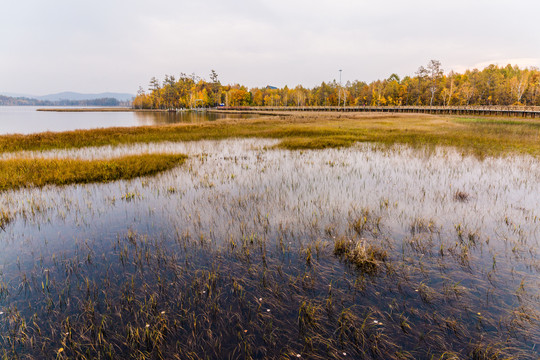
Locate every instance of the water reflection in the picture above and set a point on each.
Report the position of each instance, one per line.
(26, 120)
(162, 118)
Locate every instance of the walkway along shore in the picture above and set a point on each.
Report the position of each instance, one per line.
(510, 111)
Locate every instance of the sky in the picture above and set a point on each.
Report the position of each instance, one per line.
(118, 45)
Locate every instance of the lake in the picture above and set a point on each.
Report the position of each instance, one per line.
(26, 120)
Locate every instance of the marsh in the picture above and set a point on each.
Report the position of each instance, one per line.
(238, 253)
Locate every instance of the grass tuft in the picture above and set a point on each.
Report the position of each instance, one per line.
(364, 256)
(5, 219)
(461, 196)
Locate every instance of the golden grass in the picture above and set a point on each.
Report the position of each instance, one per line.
(16, 173)
(364, 256)
(481, 136)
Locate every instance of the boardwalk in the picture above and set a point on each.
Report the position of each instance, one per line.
(511, 111)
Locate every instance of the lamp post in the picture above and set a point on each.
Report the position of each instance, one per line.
(339, 91)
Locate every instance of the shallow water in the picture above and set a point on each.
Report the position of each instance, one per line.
(462, 274)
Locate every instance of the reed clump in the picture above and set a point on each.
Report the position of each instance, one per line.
(17, 173)
(461, 196)
(5, 218)
(366, 257)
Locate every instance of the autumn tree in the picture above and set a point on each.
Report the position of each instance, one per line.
(434, 74)
(518, 85)
(215, 88)
(492, 85)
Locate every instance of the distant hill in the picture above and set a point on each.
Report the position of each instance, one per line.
(69, 95)
(74, 96)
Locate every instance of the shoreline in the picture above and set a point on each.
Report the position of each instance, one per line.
(111, 109)
(122, 109)
(482, 136)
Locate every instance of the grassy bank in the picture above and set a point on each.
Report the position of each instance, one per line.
(16, 173)
(482, 136)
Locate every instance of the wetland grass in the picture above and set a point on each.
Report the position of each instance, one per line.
(482, 137)
(252, 252)
(16, 173)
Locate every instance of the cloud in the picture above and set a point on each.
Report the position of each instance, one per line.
(115, 45)
(521, 62)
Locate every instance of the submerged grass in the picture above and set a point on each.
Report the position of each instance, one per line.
(484, 137)
(265, 254)
(16, 173)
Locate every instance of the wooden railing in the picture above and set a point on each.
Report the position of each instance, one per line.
(514, 111)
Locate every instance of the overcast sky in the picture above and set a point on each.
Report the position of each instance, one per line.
(115, 45)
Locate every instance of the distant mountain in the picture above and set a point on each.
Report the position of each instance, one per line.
(68, 95)
(73, 96)
(17, 95)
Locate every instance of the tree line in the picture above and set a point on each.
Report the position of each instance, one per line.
(429, 86)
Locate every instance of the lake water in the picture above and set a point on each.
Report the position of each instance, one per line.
(232, 255)
(26, 120)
